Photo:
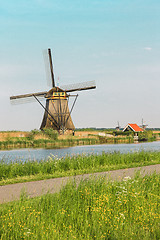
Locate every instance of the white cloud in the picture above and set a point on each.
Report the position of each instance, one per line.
(148, 48)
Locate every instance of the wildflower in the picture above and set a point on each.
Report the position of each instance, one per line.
(127, 178)
(122, 215)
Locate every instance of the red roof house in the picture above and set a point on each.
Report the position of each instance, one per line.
(132, 127)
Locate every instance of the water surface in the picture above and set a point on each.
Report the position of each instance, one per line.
(39, 154)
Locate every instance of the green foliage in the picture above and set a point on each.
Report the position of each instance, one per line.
(127, 133)
(33, 133)
(146, 136)
(95, 209)
(49, 132)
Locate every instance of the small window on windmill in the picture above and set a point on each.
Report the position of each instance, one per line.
(54, 94)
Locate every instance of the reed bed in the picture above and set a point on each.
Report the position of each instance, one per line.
(39, 143)
(19, 171)
(28, 142)
(95, 209)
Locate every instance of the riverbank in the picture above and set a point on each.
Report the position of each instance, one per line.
(32, 170)
(48, 138)
(44, 143)
(41, 139)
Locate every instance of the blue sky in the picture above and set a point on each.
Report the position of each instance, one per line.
(116, 43)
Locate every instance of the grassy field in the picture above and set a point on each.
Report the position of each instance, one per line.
(19, 171)
(92, 210)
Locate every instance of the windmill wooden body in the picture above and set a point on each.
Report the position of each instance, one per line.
(57, 114)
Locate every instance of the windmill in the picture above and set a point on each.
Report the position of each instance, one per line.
(118, 126)
(143, 126)
(57, 114)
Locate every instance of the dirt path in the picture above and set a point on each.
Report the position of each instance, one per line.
(37, 188)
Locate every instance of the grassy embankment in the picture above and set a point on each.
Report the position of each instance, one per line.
(19, 171)
(50, 139)
(94, 210)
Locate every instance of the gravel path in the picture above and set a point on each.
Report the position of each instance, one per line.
(37, 188)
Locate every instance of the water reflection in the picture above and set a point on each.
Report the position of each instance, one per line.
(39, 154)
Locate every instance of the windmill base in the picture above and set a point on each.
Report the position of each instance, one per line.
(57, 116)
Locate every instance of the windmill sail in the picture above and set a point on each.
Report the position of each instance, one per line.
(79, 86)
(51, 67)
(39, 94)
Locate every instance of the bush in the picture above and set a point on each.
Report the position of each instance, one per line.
(33, 133)
(146, 136)
(49, 132)
(127, 133)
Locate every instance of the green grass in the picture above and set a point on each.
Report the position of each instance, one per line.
(18, 171)
(92, 210)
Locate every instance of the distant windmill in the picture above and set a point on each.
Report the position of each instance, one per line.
(57, 114)
(118, 126)
(143, 125)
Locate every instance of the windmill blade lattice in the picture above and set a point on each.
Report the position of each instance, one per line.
(38, 94)
(79, 86)
(51, 67)
(31, 99)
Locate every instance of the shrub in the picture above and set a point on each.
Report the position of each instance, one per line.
(49, 132)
